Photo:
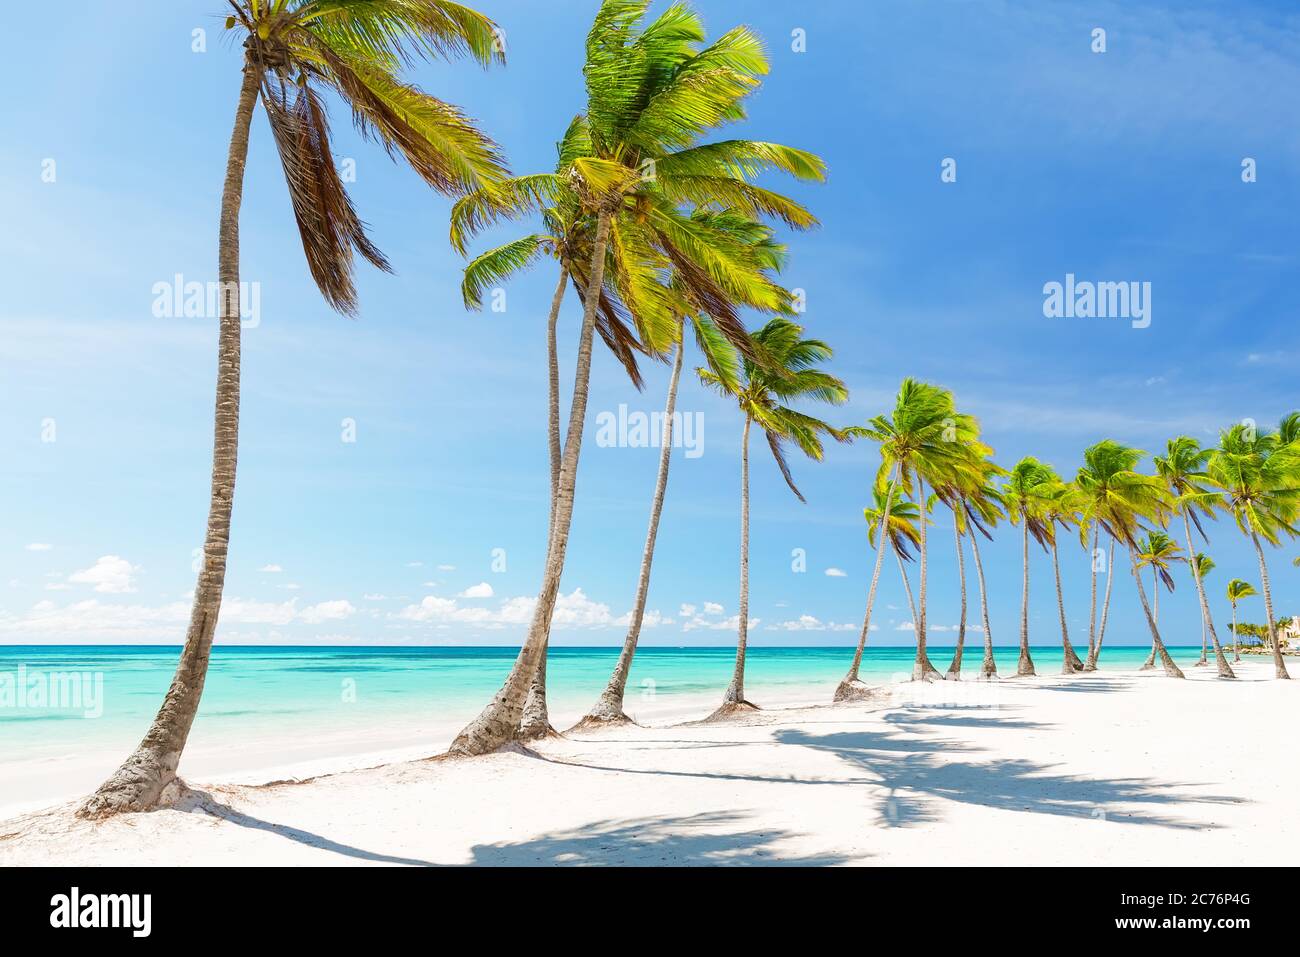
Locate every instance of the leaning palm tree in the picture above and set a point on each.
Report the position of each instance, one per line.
(1062, 509)
(1182, 468)
(1158, 551)
(294, 51)
(1259, 474)
(1024, 496)
(652, 93)
(899, 518)
(1115, 495)
(1202, 564)
(748, 283)
(1237, 590)
(789, 373)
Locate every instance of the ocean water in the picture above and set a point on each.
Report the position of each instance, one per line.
(315, 694)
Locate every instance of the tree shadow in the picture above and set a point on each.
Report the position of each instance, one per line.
(208, 804)
(654, 841)
(916, 780)
(914, 717)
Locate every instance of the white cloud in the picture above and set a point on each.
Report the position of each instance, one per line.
(327, 611)
(111, 574)
(92, 617)
(481, 590)
(415, 564)
(686, 611)
(837, 573)
(272, 569)
(39, 547)
(809, 623)
(574, 610)
(717, 624)
(712, 608)
(446, 568)
(375, 597)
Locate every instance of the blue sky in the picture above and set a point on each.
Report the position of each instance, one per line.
(1116, 166)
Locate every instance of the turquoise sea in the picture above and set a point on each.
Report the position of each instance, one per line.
(305, 692)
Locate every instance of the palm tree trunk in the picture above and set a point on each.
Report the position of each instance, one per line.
(499, 721)
(1092, 596)
(907, 587)
(954, 669)
(988, 668)
(1207, 620)
(144, 781)
(535, 721)
(922, 670)
(1158, 646)
(1279, 665)
(1070, 661)
(851, 688)
(1236, 639)
(1026, 663)
(1150, 663)
(609, 706)
(1105, 608)
(735, 697)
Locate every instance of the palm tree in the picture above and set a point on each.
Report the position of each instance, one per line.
(1158, 551)
(748, 284)
(1062, 507)
(1024, 496)
(1114, 496)
(295, 50)
(956, 494)
(1182, 468)
(1259, 474)
(1237, 590)
(651, 94)
(983, 510)
(924, 437)
(900, 517)
(790, 373)
(1201, 566)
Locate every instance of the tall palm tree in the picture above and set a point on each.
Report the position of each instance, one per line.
(1158, 551)
(748, 284)
(1062, 509)
(1237, 590)
(924, 437)
(1202, 564)
(1182, 468)
(956, 493)
(1259, 474)
(789, 374)
(983, 510)
(652, 92)
(1024, 496)
(1115, 495)
(899, 517)
(294, 51)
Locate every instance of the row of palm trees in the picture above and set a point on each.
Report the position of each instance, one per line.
(1253, 475)
(660, 231)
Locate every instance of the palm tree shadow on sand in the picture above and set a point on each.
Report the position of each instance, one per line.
(917, 780)
(195, 800)
(697, 839)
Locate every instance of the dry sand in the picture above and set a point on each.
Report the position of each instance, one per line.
(1113, 768)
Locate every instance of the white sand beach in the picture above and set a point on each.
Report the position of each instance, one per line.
(1115, 768)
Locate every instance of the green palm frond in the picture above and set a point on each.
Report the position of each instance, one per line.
(495, 266)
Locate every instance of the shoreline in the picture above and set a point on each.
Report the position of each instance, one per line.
(1090, 769)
